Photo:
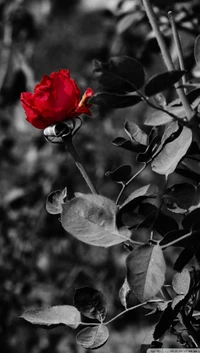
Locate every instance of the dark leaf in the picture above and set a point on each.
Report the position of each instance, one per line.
(92, 219)
(147, 156)
(56, 315)
(163, 81)
(114, 100)
(55, 200)
(93, 337)
(90, 302)
(193, 95)
(135, 133)
(139, 195)
(174, 235)
(130, 219)
(185, 256)
(191, 218)
(191, 238)
(164, 322)
(197, 50)
(172, 149)
(161, 118)
(163, 224)
(121, 74)
(128, 144)
(181, 282)
(121, 174)
(189, 174)
(192, 164)
(146, 271)
(179, 198)
(124, 293)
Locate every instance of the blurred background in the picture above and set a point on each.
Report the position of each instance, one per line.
(40, 264)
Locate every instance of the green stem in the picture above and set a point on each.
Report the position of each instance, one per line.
(167, 57)
(129, 181)
(70, 147)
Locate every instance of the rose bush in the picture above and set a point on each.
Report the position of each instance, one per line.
(55, 99)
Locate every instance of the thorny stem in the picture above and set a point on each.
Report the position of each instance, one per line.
(70, 147)
(122, 313)
(129, 181)
(166, 56)
(178, 44)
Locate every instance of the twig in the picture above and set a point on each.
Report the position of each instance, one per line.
(166, 56)
(178, 45)
(129, 181)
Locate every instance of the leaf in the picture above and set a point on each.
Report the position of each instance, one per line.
(194, 165)
(55, 201)
(181, 282)
(172, 152)
(128, 144)
(173, 235)
(93, 337)
(124, 292)
(56, 315)
(193, 95)
(121, 74)
(90, 302)
(120, 174)
(179, 198)
(190, 240)
(197, 50)
(163, 224)
(159, 118)
(185, 256)
(146, 270)
(189, 174)
(114, 100)
(139, 195)
(92, 219)
(135, 133)
(162, 81)
(191, 218)
(164, 322)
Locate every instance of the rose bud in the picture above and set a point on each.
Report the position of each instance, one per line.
(55, 99)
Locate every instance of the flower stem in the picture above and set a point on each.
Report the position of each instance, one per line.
(167, 57)
(70, 147)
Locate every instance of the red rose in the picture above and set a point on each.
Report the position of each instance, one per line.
(55, 99)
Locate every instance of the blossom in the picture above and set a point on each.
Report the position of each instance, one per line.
(55, 99)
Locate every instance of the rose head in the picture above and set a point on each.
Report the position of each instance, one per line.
(55, 99)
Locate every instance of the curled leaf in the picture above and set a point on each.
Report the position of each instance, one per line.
(55, 200)
(90, 302)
